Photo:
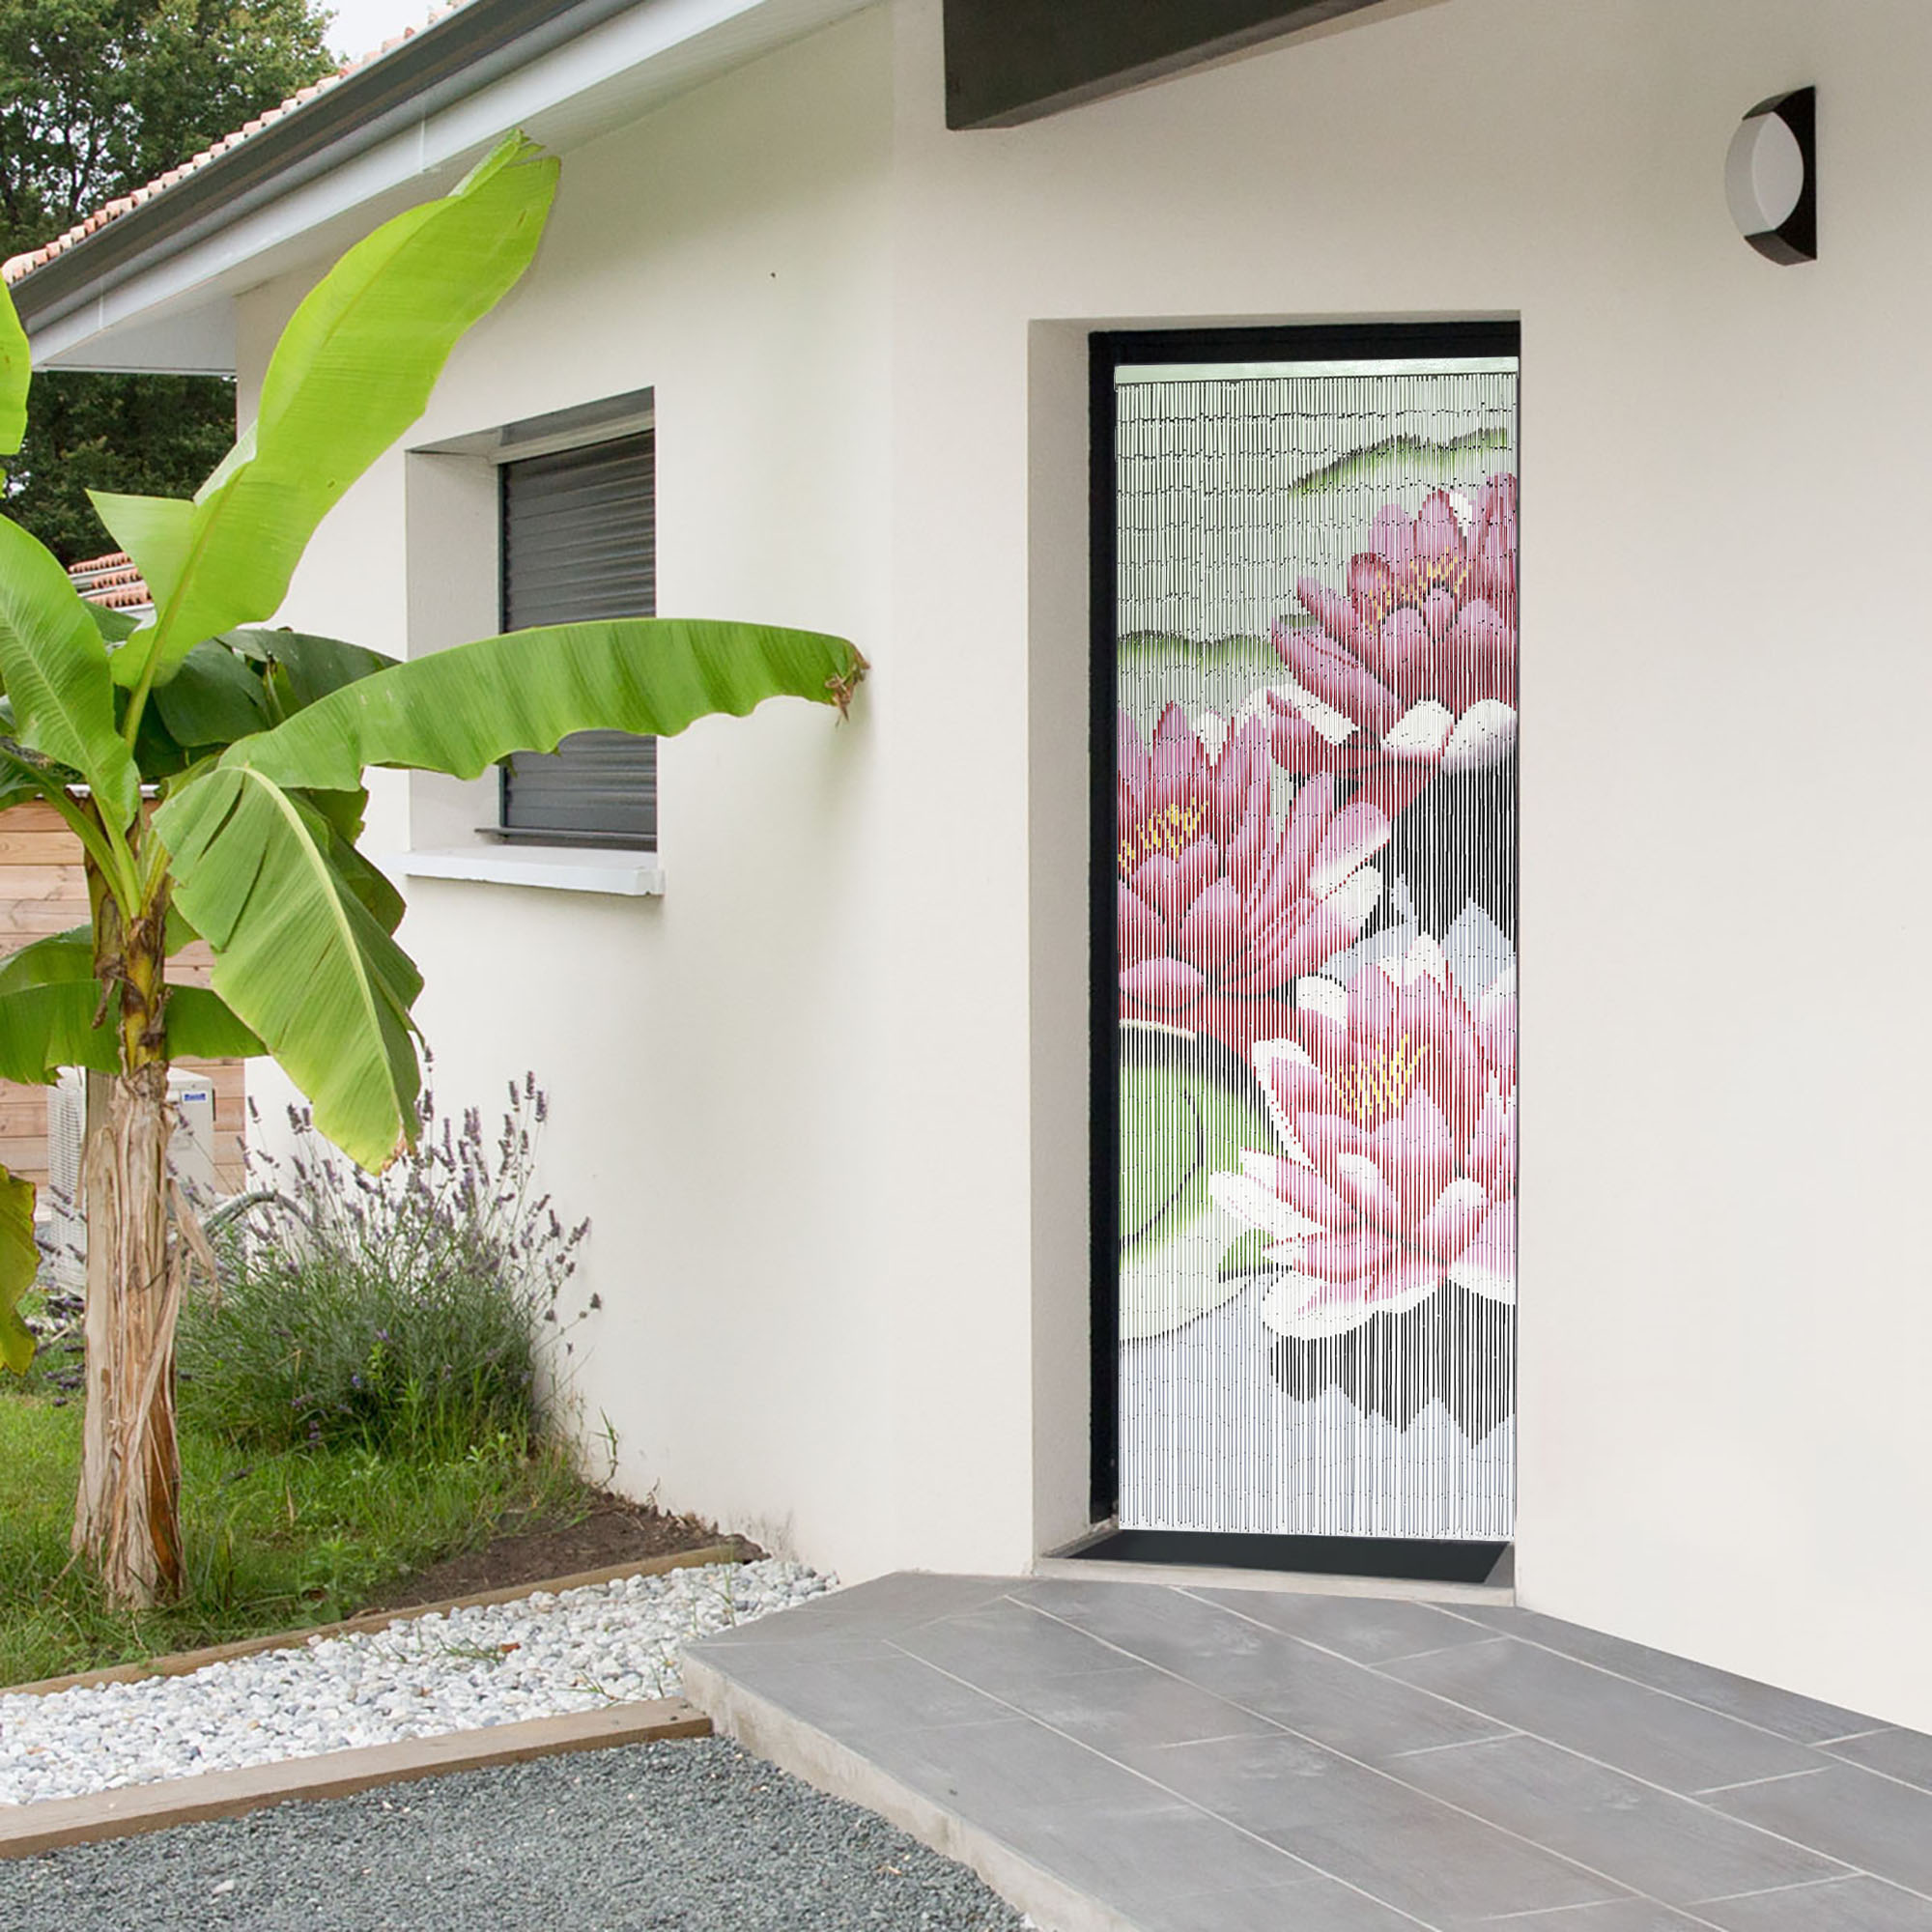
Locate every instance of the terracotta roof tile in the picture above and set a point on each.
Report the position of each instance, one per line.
(113, 580)
(18, 265)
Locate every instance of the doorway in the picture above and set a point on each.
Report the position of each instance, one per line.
(1305, 939)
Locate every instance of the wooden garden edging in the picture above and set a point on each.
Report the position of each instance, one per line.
(183, 1663)
(132, 1808)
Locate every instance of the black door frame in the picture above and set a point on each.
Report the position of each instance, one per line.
(1108, 349)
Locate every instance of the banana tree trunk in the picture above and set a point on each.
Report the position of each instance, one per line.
(127, 1515)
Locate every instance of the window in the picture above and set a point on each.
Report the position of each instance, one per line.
(579, 543)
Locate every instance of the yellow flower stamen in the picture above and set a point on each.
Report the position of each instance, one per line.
(1171, 829)
(1377, 1087)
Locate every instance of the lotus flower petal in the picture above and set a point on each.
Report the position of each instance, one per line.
(1309, 818)
(1439, 530)
(1163, 986)
(1425, 959)
(1332, 726)
(1209, 935)
(1324, 998)
(1358, 831)
(1487, 1265)
(1247, 849)
(1339, 676)
(1336, 615)
(1370, 586)
(1421, 731)
(1483, 734)
(1138, 928)
(1240, 1018)
(1404, 647)
(1258, 1206)
(1367, 1192)
(1329, 1135)
(1172, 885)
(1417, 1152)
(1493, 543)
(1352, 1254)
(1305, 1308)
(1173, 733)
(1393, 535)
(1296, 1192)
(1495, 1022)
(1489, 1159)
(1300, 1307)
(1452, 1224)
(1335, 922)
(1310, 1196)
(1320, 1028)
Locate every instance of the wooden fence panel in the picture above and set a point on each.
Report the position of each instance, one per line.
(43, 890)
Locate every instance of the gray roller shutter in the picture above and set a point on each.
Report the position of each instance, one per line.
(579, 542)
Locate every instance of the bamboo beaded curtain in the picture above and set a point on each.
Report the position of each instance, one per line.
(1316, 823)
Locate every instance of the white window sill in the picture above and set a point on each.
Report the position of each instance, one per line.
(562, 868)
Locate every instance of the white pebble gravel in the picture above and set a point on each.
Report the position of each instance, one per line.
(541, 1656)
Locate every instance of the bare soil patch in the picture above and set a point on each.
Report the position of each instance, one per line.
(610, 1532)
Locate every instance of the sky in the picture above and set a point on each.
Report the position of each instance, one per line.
(360, 26)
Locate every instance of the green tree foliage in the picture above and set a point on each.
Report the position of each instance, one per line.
(98, 96)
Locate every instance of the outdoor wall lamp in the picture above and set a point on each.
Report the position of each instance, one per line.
(1770, 177)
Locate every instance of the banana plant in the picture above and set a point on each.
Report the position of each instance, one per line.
(212, 771)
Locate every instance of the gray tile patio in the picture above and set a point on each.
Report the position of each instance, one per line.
(1136, 1757)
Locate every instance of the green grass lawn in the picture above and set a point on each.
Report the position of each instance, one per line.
(274, 1541)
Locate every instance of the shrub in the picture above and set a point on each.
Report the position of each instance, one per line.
(409, 1312)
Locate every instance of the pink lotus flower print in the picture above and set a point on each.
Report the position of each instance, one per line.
(1222, 904)
(1396, 1102)
(1414, 669)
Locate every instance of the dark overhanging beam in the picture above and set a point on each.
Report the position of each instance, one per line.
(1009, 61)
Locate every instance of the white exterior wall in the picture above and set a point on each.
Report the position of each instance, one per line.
(712, 1056)
(825, 1101)
(1725, 1333)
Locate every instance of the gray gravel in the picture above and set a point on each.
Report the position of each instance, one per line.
(686, 1837)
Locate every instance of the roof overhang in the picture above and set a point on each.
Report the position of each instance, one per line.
(155, 289)
(1011, 61)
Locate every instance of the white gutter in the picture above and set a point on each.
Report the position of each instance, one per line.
(175, 309)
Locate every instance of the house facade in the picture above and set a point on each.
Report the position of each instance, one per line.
(827, 1066)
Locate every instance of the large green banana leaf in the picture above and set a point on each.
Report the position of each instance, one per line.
(309, 667)
(155, 532)
(114, 626)
(19, 1263)
(302, 951)
(298, 955)
(461, 709)
(239, 684)
(14, 376)
(21, 780)
(49, 999)
(53, 664)
(351, 371)
(212, 700)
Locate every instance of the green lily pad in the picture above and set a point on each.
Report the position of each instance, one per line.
(1181, 1120)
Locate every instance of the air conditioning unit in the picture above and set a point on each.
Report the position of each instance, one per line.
(61, 1220)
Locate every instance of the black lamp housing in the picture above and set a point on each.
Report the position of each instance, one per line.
(1770, 177)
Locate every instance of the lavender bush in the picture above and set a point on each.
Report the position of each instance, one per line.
(416, 1310)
